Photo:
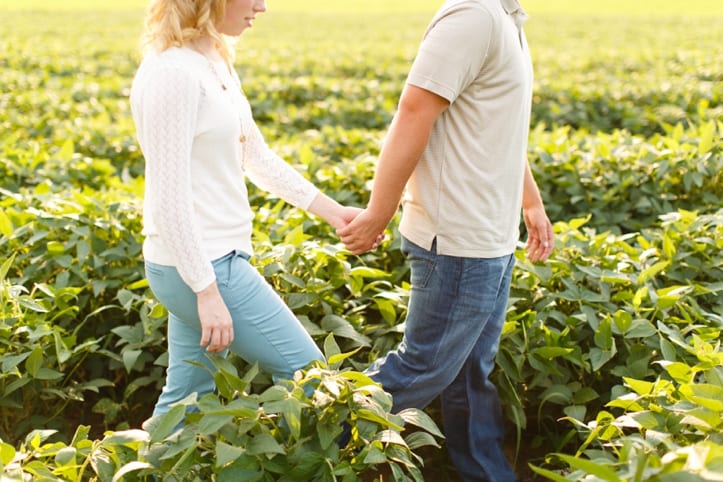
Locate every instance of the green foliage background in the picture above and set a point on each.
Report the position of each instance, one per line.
(611, 349)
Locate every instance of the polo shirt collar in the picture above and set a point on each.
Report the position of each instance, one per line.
(514, 9)
(511, 6)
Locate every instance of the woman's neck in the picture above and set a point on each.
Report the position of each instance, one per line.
(207, 46)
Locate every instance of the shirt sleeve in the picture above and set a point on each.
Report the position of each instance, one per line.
(453, 51)
(167, 121)
(271, 173)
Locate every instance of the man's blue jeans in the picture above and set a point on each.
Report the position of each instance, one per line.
(265, 330)
(456, 312)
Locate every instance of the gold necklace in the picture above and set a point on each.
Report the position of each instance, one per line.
(242, 137)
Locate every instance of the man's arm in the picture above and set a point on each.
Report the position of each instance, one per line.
(540, 238)
(406, 140)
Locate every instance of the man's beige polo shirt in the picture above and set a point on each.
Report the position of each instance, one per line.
(466, 190)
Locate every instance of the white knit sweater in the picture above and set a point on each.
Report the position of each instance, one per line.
(190, 130)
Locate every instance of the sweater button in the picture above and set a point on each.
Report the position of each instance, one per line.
(242, 138)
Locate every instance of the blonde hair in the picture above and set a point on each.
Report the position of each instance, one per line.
(173, 23)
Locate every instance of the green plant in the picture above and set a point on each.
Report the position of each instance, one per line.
(667, 429)
(290, 432)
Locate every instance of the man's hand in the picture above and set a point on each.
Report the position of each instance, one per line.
(364, 233)
(540, 238)
(216, 323)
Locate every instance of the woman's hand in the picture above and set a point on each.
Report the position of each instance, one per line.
(216, 323)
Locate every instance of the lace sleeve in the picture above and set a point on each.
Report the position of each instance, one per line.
(271, 173)
(168, 114)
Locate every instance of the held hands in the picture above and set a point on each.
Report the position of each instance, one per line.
(540, 238)
(216, 323)
(343, 216)
(364, 233)
(356, 227)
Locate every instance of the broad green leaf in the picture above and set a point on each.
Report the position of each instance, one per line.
(358, 378)
(61, 349)
(416, 440)
(549, 474)
(367, 272)
(559, 394)
(296, 236)
(550, 352)
(130, 357)
(579, 222)
(335, 361)
(274, 393)
(371, 416)
(640, 329)
(7, 453)
(82, 251)
(667, 349)
(212, 423)
(291, 412)
(670, 295)
(6, 229)
(331, 348)
(576, 412)
(705, 139)
(648, 420)
(66, 151)
(641, 387)
(31, 305)
(622, 321)
(387, 308)
(327, 434)
(168, 423)
(584, 395)
(80, 436)
(599, 357)
(375, 456)
(11, 361)
(705, 395)
(55, 248)
(419, 418)
(299, 300)
(48, 374)
(16, 385)
(591, 467)
(130, 467)
(604, 336)
(66, 456)
(640, 295)
(340, 327)
(652, 271)
(36, 437)
(130, 438)
(232, 473)
(680, 372)
(391, 436)
(34, 361)
(264, 444)
(701, 416)
(143, 283)
(226, 453)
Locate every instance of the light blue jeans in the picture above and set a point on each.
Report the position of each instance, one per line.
(265, 329)
(456, 310)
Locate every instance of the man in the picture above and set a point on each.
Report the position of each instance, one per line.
(458, 144)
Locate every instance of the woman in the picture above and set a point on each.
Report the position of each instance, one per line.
(199, 140)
